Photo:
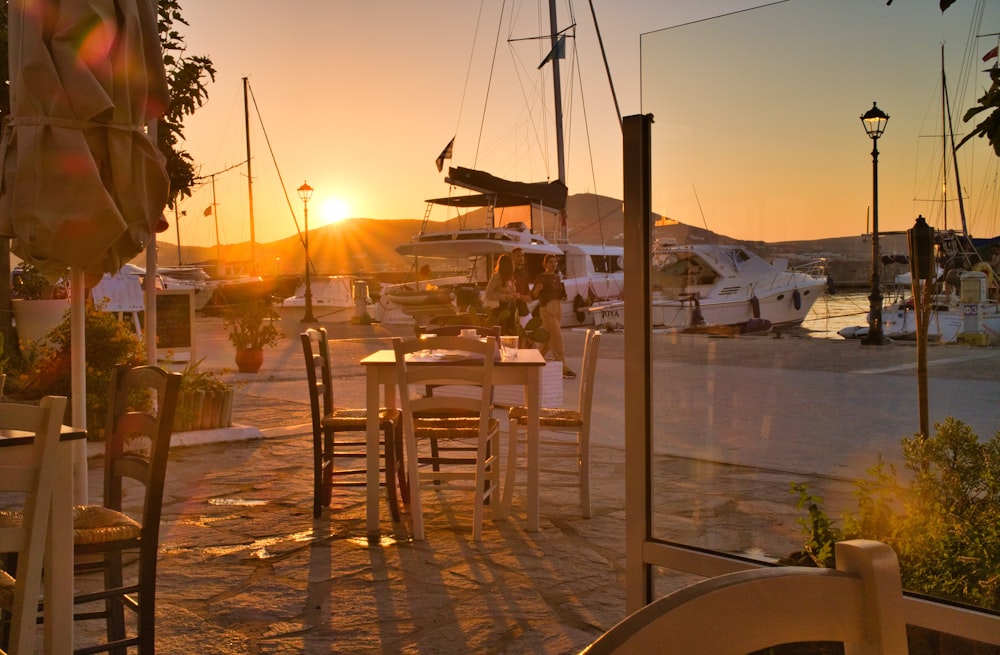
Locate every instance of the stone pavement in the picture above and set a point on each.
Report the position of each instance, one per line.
(245, 569)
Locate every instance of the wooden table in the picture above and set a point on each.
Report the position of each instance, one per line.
(380, 368)
(15, 446)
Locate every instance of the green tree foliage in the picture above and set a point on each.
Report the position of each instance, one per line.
(109, 342)
(941, 517)
(187, 77)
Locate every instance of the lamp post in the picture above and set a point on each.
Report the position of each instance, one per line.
(305, 193)
(874, 121)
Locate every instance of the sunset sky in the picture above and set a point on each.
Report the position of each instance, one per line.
(358, 99)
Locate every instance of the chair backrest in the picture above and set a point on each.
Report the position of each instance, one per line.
(34, 480)
(859, 604)
(476, 372)
(316, 349)
(126, 451)
(455, 330)
(588, 374)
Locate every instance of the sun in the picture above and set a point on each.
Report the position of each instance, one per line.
(334, 210)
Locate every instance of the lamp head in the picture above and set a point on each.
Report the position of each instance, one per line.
(305, 192)
(874, 121)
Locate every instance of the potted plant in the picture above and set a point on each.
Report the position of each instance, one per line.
(251, 328)
(38, 304)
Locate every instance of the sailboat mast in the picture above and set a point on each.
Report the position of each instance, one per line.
(944, 142)
(218, 244)
(246, 129)
(954, 150)
(557, 96)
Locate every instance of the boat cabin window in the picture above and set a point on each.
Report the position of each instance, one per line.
(606, 263)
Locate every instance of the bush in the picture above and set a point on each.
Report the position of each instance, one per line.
(942, 520)
(109, 342)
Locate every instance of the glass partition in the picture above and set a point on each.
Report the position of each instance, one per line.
(757, 141)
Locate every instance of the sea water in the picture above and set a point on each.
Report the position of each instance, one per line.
(835, 312)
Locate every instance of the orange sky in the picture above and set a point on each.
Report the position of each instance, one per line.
(358, 98)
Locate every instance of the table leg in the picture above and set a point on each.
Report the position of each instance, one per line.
(533, 401)
(58, 575)
(372, 451)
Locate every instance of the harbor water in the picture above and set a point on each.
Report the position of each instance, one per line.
(835, 312)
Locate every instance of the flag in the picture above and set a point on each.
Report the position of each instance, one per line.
(558, 52)
(208, 211)
(990, 55)
(445, 154)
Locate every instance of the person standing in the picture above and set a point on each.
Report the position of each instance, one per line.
(550, 292)
(501, 296)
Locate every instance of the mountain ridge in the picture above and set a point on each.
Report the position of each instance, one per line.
(365, 246)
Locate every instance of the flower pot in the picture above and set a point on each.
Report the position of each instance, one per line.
(35, 318)
(249, 360)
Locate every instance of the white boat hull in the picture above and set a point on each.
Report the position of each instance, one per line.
(729, 285)
(333, 301)
(951, 323)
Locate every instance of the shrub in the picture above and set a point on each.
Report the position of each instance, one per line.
(942, 519)
(109, 342)
(251, 324)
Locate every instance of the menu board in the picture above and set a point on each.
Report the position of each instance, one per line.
(174, 321)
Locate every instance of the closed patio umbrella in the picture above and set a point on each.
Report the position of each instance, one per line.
(82, 184)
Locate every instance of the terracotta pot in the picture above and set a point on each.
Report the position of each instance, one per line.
(249, 360)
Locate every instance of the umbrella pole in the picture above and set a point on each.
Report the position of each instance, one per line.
(78, 380)
(150, 303)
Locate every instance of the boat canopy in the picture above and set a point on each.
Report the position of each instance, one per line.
(498, 192)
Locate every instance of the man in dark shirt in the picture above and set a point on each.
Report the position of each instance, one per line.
(521, 282)
(550, 293)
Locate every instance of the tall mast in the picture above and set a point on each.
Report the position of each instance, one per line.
(246, 129)
(954, 150)
(557, 95)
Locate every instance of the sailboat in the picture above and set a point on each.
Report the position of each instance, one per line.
(965, 300)
(238, 282)
(592, 273)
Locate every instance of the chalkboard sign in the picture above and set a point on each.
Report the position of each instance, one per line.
(174, 322)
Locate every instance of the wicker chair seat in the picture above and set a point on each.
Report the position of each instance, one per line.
(464, 427)
(348, 420)
(96, 524)
(549, 417)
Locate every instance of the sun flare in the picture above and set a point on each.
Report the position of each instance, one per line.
(334, 210)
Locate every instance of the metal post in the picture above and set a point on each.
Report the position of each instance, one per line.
(308, 318)
(874, 121)
(875, 336)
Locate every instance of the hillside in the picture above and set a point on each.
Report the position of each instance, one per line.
(367, 246)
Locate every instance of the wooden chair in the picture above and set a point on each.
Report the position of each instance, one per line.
(449, 416)
(860, 604)
(26, 536)
(328, 420)
(449, 329)
(575, 422)
(136, 449)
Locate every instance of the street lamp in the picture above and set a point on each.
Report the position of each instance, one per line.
(874, 121)
(305, 193)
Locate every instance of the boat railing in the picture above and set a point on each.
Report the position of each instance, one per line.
(814, 268)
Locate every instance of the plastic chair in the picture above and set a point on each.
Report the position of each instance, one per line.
(136, 449)
(26, 536)
(449, 415)
(328, 420)
(573, 421)
(860, 604)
